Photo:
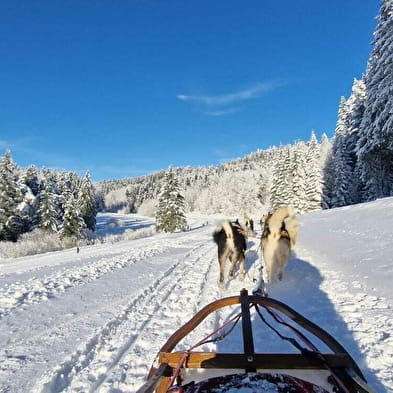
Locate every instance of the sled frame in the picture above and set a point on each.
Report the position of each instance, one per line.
(339, 361)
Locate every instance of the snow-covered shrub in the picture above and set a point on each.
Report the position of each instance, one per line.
(31, 243)
(148, 208)
(116, 200)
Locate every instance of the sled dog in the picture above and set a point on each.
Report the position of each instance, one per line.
(231, 243)
(279, 234)
(249, 225)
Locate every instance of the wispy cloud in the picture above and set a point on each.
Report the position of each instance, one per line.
(237, 97)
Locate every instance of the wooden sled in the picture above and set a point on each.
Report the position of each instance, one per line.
(307, 371)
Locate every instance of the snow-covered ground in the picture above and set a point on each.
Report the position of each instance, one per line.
(93, 321)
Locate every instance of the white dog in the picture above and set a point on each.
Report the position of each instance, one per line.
(279, 234)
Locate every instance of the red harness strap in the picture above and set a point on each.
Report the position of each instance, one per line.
(183, 359)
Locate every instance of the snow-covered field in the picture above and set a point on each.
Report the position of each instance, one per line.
(93, 321)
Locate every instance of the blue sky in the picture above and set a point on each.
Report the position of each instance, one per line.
(123, 88)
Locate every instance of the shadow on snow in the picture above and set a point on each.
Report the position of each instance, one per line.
(300, 290)
(117, 224)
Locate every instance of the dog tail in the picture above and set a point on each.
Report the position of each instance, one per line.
(223, 226)
(292, 226)
(278, 218)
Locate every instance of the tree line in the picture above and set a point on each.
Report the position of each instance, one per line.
(51, 200)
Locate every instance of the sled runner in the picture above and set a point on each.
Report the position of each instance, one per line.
(307, 371)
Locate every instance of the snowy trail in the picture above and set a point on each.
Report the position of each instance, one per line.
(153, 316)
(118, 357)
(53, 260)
(76, 313)
(101, 333)
(36, 289)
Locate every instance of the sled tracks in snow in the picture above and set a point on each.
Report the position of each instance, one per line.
(118, 357)
(36, 290)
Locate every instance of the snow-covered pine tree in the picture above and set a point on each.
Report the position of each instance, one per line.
(325, 148)
(11, 223)
(30, 178)
(263, 190)
(87, 202)
(67, 183)
(281, 186)
(327, 172)
(313, 188)
(73, 226)
(341, 161)
(296, 186)
(64, 189)
(355, 114)
(375, 144)
(170, 212)
(28, 208)
(275, 189)
(47, 209)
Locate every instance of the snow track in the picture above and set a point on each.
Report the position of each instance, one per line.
(117, 351)
(83, 318)
(37, 289)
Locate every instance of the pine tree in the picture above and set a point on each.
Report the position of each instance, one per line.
(313, 180)
(11, 223)
(340, 156)
(47, 210)
(341, 173)
(375, 144)
(328, 182)
(73, 226)
(355, 115)
(170, 213)
(30, 178)
(65, 192)
(325, 148)
(264, 186)
(73, 183)
(327, 172)
(87, 202)
(279, 183)
(28, 208)
(297, 184)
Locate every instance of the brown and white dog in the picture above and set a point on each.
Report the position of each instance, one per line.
(232, 244)
(279, 234)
